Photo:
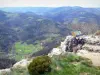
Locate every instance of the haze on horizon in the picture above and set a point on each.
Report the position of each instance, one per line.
(49, 3)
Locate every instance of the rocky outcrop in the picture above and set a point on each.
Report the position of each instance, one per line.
(21, 65)
(92, 39)
(91, 48)
(91, 44)
(5, 71)
(62, 48)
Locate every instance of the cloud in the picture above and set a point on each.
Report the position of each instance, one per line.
(49, 3)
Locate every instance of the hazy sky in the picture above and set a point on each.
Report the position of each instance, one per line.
(49, 3)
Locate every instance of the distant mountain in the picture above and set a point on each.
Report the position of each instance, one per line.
(62, 13)
(30, 24)
(76, 18)
(39, 10)
(25, 27)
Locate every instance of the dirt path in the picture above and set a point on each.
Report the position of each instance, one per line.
(95, 57)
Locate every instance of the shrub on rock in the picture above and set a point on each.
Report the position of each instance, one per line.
(39, 65)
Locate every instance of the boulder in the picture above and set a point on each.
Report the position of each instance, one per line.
(62, 48)
(92, 48)
(5, 71)
(55, 51)
(92, 39)
(22, 64)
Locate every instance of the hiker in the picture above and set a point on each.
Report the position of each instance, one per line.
(74, 43)
(70, 44)
(81, 42)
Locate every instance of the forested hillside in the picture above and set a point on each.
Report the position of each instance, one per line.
(26, 28)
(29, 26)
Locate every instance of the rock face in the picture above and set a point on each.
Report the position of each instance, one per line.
(64, 43)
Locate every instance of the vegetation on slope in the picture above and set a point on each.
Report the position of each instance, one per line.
(23, 50)
(72, 65)
(62, 65)
(7, 38)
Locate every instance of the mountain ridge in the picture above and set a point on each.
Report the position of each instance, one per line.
(50, 23)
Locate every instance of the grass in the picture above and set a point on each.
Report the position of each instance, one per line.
(72, 65)
(23, 50)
